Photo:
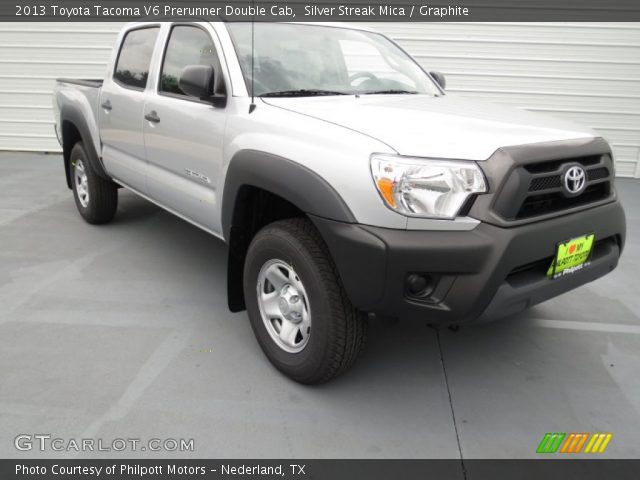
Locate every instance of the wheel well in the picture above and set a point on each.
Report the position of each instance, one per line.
(254, 208)
(70, 136)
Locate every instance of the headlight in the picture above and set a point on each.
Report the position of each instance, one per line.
(421, 187)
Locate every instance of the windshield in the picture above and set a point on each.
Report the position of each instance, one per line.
(302, 60)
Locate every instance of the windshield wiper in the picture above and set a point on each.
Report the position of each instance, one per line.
(390, 92)
(303, 92)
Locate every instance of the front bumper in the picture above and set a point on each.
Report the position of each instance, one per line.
(482, 274)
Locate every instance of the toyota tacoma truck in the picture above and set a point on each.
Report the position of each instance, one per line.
(343, 178)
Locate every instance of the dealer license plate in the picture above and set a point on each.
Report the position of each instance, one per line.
(571, 256)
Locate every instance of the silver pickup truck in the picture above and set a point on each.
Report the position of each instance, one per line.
(344, 180)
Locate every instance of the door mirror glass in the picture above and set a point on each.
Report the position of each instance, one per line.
(197, 81)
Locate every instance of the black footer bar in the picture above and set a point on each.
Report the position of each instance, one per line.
(543, 469)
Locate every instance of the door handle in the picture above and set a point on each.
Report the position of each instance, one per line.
(152, 117)
(106, 105)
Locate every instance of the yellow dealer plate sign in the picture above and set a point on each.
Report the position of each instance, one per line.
(571, 256)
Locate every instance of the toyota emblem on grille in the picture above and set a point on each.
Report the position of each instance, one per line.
(575, 180)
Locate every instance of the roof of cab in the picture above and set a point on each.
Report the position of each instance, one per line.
(345, 25)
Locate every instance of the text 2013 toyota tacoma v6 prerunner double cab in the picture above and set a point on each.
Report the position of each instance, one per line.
(350, 185)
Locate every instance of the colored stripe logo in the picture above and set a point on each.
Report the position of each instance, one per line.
(556, 442)
(550, 442)
(598, 443)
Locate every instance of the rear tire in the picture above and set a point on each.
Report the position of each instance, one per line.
(299, 311)
(95, 197)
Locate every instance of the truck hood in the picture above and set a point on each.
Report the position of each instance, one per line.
(441, 127)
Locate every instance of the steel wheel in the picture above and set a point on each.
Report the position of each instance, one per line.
(284, 306)
(289, 282)
(82, 187)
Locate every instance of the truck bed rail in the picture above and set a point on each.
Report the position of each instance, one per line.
(85, 82)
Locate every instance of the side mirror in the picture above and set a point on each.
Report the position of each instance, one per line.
(439, 78)
(198, 81)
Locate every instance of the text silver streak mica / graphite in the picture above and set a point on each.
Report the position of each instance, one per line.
(348, 183)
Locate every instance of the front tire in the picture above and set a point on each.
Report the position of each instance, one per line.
(95, 197)
(299, 311)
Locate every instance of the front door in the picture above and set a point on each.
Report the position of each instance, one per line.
(184, 135)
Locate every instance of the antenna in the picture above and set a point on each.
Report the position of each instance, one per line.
(252, 107)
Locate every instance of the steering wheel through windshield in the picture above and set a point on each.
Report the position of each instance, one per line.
(367, 75)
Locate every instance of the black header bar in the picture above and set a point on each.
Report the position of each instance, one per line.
(323, 10)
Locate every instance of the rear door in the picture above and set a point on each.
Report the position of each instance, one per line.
(184, 135)
(121, 108)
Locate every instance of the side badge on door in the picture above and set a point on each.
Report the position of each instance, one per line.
(197, 175)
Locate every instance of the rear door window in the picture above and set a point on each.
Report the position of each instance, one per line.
(132, 67)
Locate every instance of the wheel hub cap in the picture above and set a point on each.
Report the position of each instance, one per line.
(290, 305)
(284, 306)
(82, 186)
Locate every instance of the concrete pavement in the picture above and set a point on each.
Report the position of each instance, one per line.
(122, 331)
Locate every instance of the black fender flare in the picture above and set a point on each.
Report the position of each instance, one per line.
(295, 183)
(290, 180)
(74, 116)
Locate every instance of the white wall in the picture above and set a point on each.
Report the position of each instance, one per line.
(32, 56)
(585, 72)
